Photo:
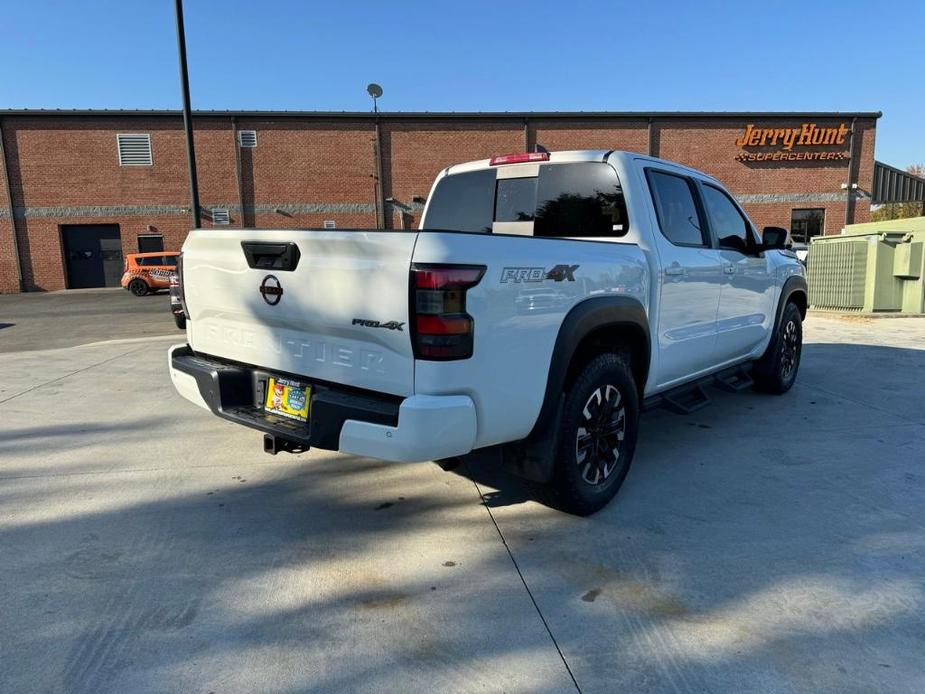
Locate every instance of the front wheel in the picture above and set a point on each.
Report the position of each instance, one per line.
(597, 437)
(777, 369)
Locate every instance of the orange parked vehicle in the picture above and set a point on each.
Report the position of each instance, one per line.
(148, 272)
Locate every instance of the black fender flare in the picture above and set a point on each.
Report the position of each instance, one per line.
(534, 458)
(796, 284)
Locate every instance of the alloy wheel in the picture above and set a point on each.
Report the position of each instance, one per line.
(790, 349)
(599, 440)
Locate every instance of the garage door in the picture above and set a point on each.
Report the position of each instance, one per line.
(93, 253)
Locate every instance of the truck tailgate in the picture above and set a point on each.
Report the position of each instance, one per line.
(340, 315)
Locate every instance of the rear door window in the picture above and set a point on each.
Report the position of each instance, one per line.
(580, 200)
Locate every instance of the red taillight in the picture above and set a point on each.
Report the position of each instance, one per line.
(443, 325)
(444, 277)
(442, 329)
(519, 158)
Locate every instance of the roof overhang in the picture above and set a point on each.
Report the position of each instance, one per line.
(447, 115)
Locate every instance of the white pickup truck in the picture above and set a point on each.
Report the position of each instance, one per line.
(545, 301)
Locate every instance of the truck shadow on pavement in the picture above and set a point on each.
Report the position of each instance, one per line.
(838, 370)
(776, 541)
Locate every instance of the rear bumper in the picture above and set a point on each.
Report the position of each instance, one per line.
(413, 429)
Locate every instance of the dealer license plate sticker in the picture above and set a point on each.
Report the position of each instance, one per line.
(287, 398)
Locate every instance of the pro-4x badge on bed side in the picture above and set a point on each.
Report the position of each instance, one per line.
(559, 273)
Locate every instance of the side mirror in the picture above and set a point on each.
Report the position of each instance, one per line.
(773, 238)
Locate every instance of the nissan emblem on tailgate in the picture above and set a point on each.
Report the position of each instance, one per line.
(271, 290)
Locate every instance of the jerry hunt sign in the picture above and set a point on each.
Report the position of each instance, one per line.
(786, 139)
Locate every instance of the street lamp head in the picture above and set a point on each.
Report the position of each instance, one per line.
(375, 91)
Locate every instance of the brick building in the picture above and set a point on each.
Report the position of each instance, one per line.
(119, 180)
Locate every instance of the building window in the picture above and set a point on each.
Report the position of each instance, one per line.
(134, 150)
(805, 224)
(150, 243)
(247, 138)
(329, 224)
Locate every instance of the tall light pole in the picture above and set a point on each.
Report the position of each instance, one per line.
(188, 117)
(375, 91)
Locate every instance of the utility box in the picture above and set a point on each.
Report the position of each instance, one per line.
(877, 267)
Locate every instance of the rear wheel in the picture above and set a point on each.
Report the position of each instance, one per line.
(597, 437)
(138, 287)
(777, 369)
(180, 320)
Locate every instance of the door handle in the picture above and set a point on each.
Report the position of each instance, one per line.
(729, 269)
(674, 269)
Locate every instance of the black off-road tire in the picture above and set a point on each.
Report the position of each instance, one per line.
(777, 369)
(138, 287)
(602, 399)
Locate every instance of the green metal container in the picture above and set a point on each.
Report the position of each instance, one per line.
(875, 267)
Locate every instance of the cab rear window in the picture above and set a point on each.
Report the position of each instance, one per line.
(582, 199)
(463, 202)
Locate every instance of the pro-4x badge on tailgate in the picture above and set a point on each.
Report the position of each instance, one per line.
(390, 325)
(559, 273)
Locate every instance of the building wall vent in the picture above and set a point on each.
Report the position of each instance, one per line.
(134, 150)
(329, 224)
(247, 138)
(220, 217)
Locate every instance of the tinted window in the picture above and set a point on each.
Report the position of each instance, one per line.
(676, 210)
(463, 202)
(170, 260)
(515, 200)
(579, 200)
(730, 227)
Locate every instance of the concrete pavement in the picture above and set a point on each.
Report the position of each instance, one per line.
(40, 321)
(762, 544)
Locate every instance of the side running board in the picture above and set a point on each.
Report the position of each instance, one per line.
(691, 397)
(686, 401)
(734, 381)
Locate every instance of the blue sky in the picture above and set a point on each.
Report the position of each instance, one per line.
(475, 55)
